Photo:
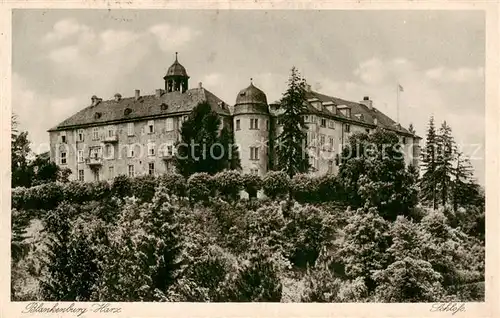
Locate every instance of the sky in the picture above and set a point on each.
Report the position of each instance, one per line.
(62, 57)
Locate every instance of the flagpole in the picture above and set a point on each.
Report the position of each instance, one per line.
(397, 103)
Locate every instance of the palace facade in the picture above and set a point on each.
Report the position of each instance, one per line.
(137, 135)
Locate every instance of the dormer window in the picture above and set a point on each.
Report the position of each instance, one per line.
(97, 115)
(127, 111)
(163, 106)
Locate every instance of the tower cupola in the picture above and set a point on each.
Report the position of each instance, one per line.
(251, 99)
(176, 79)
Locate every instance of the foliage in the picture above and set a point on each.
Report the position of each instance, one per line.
(408, 280)
(291, 148)
(143, 187)
(202, 147)
(199, 186)
(307, 231)
(428, 183)
(276, 184)
(229, 183)
(252, 183)
(304, 188)
(174, 183)
(374, 174)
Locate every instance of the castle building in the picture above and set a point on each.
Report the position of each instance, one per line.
(137, 135)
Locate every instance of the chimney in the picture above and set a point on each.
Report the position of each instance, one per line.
(200, 85)
(137, 94)
(118, 97)
(158, 93)
(94, 100)
(367, 102)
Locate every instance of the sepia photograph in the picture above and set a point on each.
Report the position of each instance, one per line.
(278, 156)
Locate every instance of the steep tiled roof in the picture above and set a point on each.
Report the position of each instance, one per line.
(148, 106)
(367, 118)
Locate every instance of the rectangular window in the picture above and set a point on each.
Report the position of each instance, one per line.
(307, 118)
(254, 123)
(151, 149)
(151, 169)
(80, 135)
(254, 171)
(169, 124)
(322, 140)
(131, 171)
(130, 151)
(347, 128)
(331, 124)
(254, 153)
(96, 175)
(238, 124)
(170, 150)
(151, 126)
(80, 156)
(267, 124)
(63, 157)
(130, 129)
(111, 173)
(330, 142)
(323, 122)
(63, 137)
(96, 152)
(95, 133)
(313, 119)
(337, 160)
(404, 140)
(110, 152)
(81, 175)
(111, 131)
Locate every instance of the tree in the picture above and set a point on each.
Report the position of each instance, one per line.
(20, 150)
(464, 189)
(291, 152)
(231, 155)
(373, 174)
(444, 159)
(428, 186)
(202, 147)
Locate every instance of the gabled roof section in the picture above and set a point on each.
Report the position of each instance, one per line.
(368, 115)
(148, 106)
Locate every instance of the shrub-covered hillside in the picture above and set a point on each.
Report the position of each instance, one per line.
(171, 239)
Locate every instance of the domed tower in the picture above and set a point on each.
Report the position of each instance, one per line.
(251, 129)
(176, 79)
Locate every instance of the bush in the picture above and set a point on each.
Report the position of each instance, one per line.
(45, 197)
(329, 188)
(122, 186)
(307, 231)
(304, 188)
(276, 184)
(174, 183)
(252, 183)
(199, 186)
(143, 187)
(229, 183)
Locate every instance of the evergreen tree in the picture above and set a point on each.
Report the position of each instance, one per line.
(429, 161)
(291, 148)
(444, 159)
(20, 150)
(463, 186)
(202, 147)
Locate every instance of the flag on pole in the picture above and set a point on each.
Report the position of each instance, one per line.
(400, 88)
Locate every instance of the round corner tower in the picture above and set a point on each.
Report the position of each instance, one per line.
(251, 129)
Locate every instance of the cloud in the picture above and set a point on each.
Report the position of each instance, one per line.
(64, 29)
(438, 92)
(26, 102)
(169, 37)
(460, 75)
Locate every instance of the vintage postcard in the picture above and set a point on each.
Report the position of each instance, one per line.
(229, 159)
